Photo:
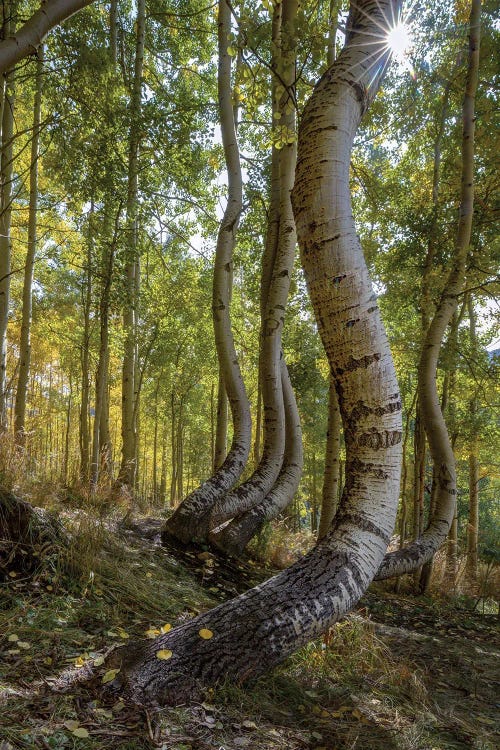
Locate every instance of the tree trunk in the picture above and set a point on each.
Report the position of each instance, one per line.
(419, 552)
(254, 490)
(220, 448)
(128, 468)
(330, 494)
(236, 535)
(252, 633)
(473, 521)
(85, 356)
(190, 522)
(101, 380)
(6, 169)
(32, 33)
(25, 341)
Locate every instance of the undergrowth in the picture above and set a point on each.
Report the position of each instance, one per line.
(107, 587)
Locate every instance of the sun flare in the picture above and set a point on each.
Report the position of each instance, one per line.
(398, 41)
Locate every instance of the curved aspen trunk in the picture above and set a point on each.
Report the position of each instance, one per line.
(33, 32)
(255, 631)
(253, 491)
(235, 536)
(190, 522)
(417, 553)
(330, 494)
(25, 340)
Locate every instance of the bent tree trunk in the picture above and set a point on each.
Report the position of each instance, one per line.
(31, 34)
(255, 631)
(407, 559)
(277, 270)
(190, 522)
(236, 535)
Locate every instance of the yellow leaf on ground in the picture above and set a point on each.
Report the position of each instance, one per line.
(13, 638)
(98, 661)
(165, 628)
(80, 732)
(123, 634)
(152, 633)
(71, 724)
(13, 574)
(206, 634)
(164, 653)
(109, 676)
(24, 644)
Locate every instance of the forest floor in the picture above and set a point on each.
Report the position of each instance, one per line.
(400, 673)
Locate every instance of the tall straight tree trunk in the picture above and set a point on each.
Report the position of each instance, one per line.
(254, 490)
(101, 380)
(407, 559)
(473, 520)
(85, 355)
(128, 466)
(25, 340)
(330, 493)
(191, 519)
(6, 170)
(255, 631)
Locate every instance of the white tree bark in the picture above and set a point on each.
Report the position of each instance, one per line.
(26, 40)
(192, 518)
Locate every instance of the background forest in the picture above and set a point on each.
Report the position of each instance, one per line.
(182, 413)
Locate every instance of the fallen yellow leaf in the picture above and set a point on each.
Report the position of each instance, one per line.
(206, 634)
(164, 654)
(80, 732)
(152, 633)
(109, 676)
(13, 638)
(165, 628)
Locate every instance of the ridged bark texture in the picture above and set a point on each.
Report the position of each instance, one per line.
(416, 554)
(257, 630)
(190, 522)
